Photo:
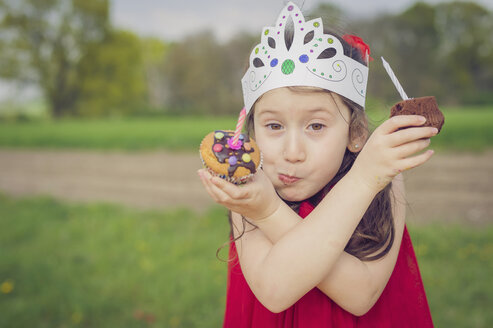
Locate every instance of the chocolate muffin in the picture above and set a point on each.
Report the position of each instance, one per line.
(424, 106)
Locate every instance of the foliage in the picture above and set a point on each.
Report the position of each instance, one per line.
(442, 50)
(203, 76)
(111, 76)
(154, 54)
(43, 41)
(99, 265)
(70, 52)
(85, 67)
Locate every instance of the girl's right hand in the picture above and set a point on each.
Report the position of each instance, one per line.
(390, 151)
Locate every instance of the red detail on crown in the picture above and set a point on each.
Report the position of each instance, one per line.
(358, 43)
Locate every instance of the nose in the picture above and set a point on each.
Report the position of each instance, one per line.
(294, 148)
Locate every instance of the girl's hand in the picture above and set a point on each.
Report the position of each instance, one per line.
(256, 199)
(389, 151)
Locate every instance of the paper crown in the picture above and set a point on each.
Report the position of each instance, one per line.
(314, 59)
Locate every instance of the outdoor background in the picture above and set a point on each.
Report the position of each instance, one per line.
(103, 220)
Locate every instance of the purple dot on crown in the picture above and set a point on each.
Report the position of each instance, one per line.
(302, 29)
(268, 57)
(280, 24)
(299, 22)
(278, 32)
(311, 50)
(290, 8)
(296, 15)
(283, 17)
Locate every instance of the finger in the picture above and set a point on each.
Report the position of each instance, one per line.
(221, 196)
(229, 188)
(412, 162)
(410, 148)
(207, 186)
(401, 121)
(412, 134)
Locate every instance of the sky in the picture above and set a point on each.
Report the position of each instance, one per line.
(172, 19)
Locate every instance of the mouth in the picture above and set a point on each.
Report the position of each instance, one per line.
(286, 179)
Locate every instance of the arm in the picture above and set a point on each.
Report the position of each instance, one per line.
(357, 285)
(282, 274)
(353, 284)
(306, 254)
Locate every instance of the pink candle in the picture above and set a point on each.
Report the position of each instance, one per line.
(239, 126)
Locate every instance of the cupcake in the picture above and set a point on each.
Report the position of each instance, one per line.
(424, 106)
(235, 163)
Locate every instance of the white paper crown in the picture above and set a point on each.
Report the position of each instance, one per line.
(320, 62)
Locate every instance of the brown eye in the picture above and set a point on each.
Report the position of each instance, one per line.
(274, 126)
(316, 126)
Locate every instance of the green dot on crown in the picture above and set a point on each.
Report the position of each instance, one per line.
(288, 66)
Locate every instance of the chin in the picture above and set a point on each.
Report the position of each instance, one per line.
(293, 195)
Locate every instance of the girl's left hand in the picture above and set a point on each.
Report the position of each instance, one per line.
(256, 199)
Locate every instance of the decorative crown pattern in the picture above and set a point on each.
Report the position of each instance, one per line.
(312, 59)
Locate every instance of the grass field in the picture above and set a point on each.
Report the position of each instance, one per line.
(465, 129)
(98, 265)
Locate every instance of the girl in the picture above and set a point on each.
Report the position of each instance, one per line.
(319, 233)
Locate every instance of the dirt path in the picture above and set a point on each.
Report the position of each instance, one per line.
(452, 187)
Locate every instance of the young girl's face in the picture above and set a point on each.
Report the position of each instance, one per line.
(303, 137)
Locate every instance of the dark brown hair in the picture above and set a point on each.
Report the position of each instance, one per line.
(376, 228)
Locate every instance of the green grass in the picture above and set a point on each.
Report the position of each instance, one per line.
(456, 264)
(106, 266)
(98, 265)
(468, 129)
(465, 129)
(173, 133)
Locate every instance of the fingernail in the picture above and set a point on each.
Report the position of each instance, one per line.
(435, 130)
(423, 119)
(431, 151)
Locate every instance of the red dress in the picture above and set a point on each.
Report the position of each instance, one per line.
(402, 304)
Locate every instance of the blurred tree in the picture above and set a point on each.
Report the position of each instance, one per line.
(154, 57)
(331, 15)
(111, 76)
(203, 76)
(192, 68)
(416, 42)
(465, 53)
(42, 42)
(443, 50)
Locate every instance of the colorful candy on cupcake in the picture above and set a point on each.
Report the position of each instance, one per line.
(231, 155)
